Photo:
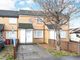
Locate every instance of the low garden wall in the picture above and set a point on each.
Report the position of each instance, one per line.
(38, 40)
(66, 45)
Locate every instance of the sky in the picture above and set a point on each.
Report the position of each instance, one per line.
(29, 5)
(17, 5)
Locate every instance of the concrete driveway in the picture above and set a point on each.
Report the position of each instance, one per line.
(32, 52)
(35, 52)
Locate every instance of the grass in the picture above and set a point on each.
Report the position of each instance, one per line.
(9, 57)
(7, 53)
(60, 53)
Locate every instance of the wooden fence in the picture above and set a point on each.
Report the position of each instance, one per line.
(66, 45)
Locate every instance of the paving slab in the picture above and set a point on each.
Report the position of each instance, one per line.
(35, 52)
(32, 52)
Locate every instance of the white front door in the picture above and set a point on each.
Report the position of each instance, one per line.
(29, 36)
(22, 35)
(26, 36)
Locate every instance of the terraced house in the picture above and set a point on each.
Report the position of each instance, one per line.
(28, 27)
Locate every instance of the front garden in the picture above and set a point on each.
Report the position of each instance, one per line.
(7, 53)
(61, 53)
(56, 53)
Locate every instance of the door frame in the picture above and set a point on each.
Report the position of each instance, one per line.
(25, 36)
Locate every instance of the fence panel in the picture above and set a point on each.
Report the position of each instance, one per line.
(66, 45)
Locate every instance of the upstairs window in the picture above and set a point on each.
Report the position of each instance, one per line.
(39, 20)
(30, 21)
(13, 20)
(63, 34)
(1, 18)
(52, 34)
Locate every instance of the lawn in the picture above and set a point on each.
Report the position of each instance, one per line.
(7, 53)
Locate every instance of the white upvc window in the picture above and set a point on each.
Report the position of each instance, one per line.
(29, 21)
(63, 34)
(52, 34)
(39, 20)
(38, 34)
(1, 18)
(13, 20)
(11, 35)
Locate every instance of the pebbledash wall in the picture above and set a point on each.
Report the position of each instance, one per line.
(41, 34)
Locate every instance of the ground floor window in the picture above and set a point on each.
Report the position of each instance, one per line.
(52, 34)
(11, 35)
(38, 34)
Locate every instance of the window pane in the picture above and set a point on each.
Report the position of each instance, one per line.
(12, 20)
(11, 35)
(30, 20)
(52, 34)
(38, 34)
(39, 20)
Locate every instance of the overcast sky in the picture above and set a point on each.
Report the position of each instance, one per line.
(28, 5)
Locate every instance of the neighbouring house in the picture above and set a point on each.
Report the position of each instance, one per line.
(28, 27)
(75, 35)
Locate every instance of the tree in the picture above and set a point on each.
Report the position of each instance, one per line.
(58, 13)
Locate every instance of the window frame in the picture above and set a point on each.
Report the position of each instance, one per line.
(52, 34)
(9, 36)
(37, 35)
(11, 20)
(39, 20)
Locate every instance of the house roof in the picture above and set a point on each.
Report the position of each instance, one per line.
(75, 30)
(25, 26)
(8, 13)
(1, 27)
(78, 31)
(30, 12)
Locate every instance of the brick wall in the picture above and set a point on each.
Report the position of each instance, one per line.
(38, 40)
